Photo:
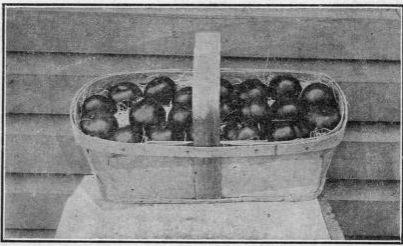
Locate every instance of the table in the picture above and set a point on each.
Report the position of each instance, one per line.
(88, 216)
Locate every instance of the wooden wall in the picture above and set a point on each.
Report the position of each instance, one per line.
(52, 52)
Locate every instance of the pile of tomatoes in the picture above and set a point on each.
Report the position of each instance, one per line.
(249, 110)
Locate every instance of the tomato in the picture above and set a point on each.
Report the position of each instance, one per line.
(184, 97)
(248, 132)
(128, 134)
(282, 131)
(231, 130)
(99, 103)
(180, 117)
(288, 109)
(161, 89)
(284, 86)
(125, 91)
(164, 133)
(253, 88)
(98, 124)
(324, 116)
(147, 112)
(318, 94)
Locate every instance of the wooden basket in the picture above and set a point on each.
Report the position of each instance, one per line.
(177, 172)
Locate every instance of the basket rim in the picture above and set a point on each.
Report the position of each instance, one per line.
(182, 148)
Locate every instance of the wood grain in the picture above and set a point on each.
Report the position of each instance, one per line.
(44, 143)
(46, 83)
(253, 36)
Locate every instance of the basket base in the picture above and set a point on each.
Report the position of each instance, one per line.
(88, 216)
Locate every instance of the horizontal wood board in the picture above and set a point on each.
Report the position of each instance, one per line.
(46, 83)
(45, 144)
(29, 197)
(333, 36)
(371, 218)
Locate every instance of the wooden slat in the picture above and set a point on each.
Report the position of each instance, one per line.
(44, 154)
(365, 208)
(367, 218)
(46, 83)
(362, 190)
(358, 160)
(44, 144)
(252, 36)
(98, 65)
(37, 201)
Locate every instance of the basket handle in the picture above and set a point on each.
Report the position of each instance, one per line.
(206, 114)
(206, 89)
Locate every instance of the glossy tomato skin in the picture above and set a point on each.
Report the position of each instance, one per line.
(323, 116)
(125, 91)
(161, 89)
(231, 130)
(159, 134)
(164, 133)
(288, 109)
(253, 88)
(259, 109)
(128, 134)
(98, 124)
(180, 117)
(284, 87)
(248, 131)
(183, 97)
(147, 112)
(318, 94)
(99, 103)
(282, 131)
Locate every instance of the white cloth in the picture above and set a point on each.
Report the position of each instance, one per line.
(87, 216)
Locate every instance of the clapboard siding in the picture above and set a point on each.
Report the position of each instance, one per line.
(370, 218)
(38, 63)
(327, 37)
(45, 144)
(43, 196)
(46, 83)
